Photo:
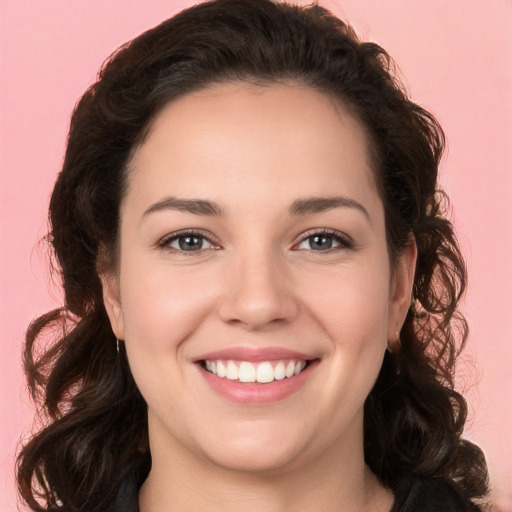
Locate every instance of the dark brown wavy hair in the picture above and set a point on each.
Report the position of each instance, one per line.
(93, 428)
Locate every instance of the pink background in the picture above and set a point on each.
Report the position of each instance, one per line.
(457, 59)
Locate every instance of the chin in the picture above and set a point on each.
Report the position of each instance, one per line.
(263, 460)
(262, 451)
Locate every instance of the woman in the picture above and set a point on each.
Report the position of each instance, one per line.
(261, 285)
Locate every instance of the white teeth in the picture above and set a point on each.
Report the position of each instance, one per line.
(263, 372)
(299, 367)
(290, 369)
(247, 372)
(279, 371)
(232, 371)
(221, 369)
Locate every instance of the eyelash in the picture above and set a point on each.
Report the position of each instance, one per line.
(344, 241)
(165, 242)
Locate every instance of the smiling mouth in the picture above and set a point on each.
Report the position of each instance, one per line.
(262, 372)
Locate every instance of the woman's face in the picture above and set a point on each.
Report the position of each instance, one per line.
(253, 244)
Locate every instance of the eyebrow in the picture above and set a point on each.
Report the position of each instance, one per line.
(321, 204)
(194, 206)
(299, 207)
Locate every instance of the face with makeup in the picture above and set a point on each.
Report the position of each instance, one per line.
(254, 289)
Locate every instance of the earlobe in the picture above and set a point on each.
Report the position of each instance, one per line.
(403, 281)
(112, 302)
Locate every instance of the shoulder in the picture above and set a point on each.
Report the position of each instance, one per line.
(430, 495)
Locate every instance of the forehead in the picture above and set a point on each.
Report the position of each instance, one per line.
(251, 138)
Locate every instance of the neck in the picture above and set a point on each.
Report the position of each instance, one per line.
(338, 481)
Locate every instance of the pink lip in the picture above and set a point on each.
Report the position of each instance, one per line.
(249, 393)
(254, 355)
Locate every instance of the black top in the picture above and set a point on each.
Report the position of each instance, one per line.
(429, 495)
(411, 495)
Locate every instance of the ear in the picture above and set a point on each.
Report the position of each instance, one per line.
(402, 282)
(112, 301)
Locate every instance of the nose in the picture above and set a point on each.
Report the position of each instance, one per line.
(258, 293)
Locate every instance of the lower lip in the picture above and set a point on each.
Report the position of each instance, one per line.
(256, 393)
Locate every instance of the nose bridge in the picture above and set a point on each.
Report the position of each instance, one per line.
(258, 291)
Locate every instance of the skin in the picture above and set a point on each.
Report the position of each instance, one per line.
(254, 151)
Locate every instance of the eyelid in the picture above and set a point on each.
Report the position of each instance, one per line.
(345, 240)
(164, 242)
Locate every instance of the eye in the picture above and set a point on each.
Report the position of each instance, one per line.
(324, 241)
(188, 241)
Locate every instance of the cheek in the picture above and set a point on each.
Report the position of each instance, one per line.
(352, 308)
(162, 310)
(351, 302)
(161, 306)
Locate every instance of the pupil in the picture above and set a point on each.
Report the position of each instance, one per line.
(321, 242)
(190, 243)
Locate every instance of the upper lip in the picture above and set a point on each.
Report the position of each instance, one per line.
(254, 354)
